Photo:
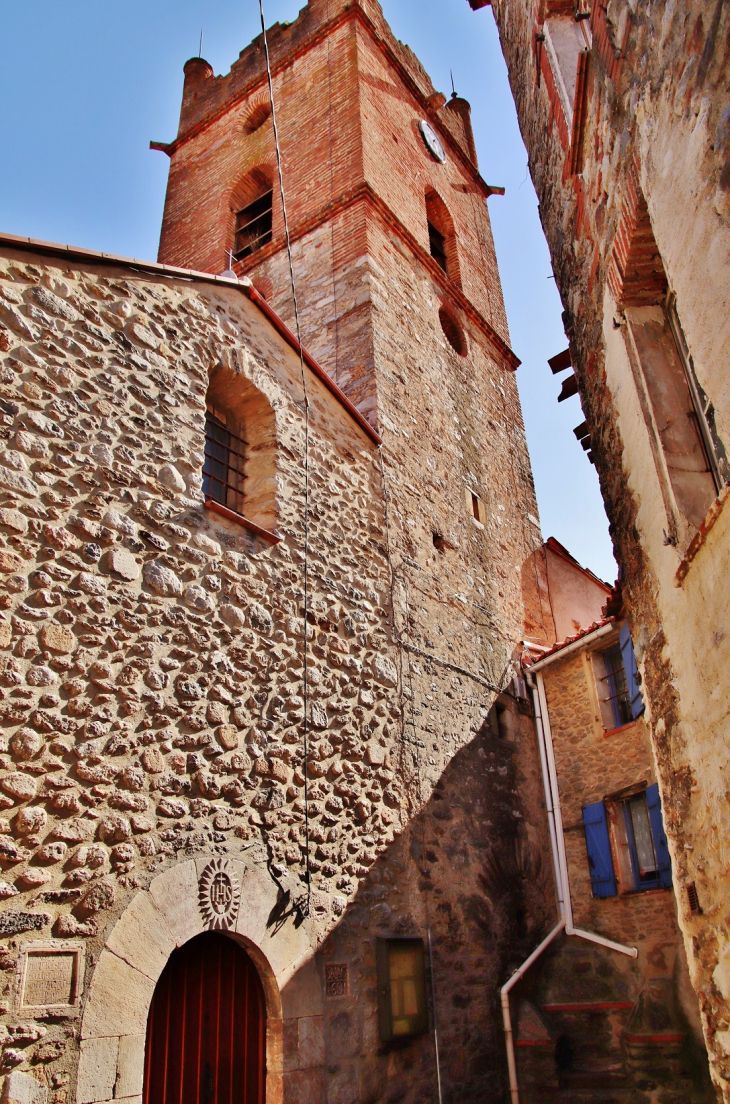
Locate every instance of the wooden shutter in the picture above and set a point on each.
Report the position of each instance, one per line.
(600, 860)
(631, 671)
(664, 863)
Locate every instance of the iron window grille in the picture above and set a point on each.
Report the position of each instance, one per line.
(253, 226)
(225, 454)
(618, 692)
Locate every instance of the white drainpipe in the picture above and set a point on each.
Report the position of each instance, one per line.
(557, 842)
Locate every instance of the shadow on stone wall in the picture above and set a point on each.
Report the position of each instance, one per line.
(470, 868)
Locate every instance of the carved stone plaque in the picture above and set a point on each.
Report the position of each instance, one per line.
(335, 980)
(219, 895)
(49, 976)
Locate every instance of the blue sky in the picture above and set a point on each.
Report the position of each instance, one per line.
(85, 85)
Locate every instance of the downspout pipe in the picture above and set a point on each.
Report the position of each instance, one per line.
(506, 1017)
(560, 866)
(542, 718)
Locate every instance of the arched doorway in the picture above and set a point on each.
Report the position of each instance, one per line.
(206, 1032)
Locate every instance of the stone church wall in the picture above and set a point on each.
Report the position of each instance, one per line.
(152, 700)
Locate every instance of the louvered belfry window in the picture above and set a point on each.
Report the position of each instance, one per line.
(253, 226)
(223, 473)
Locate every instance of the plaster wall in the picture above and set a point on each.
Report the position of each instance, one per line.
(655, 105)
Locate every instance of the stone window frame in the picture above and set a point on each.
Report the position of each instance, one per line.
(246, 411)
(475, 507)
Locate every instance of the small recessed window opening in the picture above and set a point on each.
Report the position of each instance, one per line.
(401, 989)
(438, 542)
(437, 245)
(452, 331)
(692, 899)
(223, 473)
(253, 225)
(442, 243)
(475, 506)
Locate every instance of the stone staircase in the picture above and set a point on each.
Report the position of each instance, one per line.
(610, 1050)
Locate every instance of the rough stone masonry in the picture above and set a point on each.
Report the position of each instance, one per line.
(152, 704)
(154, 668)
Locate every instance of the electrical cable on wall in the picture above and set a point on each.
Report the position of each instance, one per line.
(305, 672)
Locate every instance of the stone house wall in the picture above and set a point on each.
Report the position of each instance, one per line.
(633, 190)
(590, 766)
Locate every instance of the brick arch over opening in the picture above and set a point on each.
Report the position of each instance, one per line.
(439, 216)
(153, 924)
(257, 113)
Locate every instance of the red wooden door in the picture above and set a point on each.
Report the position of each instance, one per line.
(206, 1032)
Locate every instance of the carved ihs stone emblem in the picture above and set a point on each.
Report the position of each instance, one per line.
(219, 895)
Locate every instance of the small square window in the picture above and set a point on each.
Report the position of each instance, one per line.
(475, 506)
(401, 989)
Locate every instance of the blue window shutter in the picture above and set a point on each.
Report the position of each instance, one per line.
(600, 860)
(654, 807)
(631, 672)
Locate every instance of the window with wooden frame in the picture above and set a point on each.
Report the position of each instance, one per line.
(690, 457)
(401, 989)
(626, 844)
(616, 673)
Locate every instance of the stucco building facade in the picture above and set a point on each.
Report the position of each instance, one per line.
(261, 613)
(623, 109)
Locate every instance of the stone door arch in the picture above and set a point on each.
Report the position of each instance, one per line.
(154, 923)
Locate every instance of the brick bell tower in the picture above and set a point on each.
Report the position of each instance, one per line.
(400, 301)
(379, 172)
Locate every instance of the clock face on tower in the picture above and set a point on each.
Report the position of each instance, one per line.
(432, 140)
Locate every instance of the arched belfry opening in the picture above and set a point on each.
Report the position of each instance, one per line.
(442, 236)
(206, 1031)
(252, 212)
